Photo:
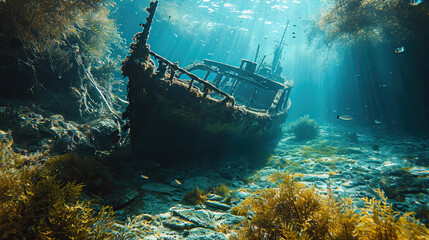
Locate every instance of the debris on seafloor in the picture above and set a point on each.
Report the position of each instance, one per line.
(174, 114)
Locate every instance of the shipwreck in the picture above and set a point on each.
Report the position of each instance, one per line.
(175, 114)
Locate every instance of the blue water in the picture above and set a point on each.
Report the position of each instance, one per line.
(370, 83)
(367, 102)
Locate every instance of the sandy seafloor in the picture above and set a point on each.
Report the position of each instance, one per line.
(349, 163)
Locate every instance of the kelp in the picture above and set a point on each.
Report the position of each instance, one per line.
(90, 171)
(42, 24)
(293, 211)
(36, 205)
(377, 21)
(61, 46)
(194, 197)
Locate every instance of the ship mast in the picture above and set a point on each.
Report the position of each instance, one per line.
(278, 51)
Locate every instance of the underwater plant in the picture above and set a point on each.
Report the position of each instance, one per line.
(194, 197)
(61, 47)
(41, 24)
(305, 128)
(90, 171)
(294, 211)
(378, 220)
(36, 205)
(222, 190)
(378, 21)
(319, 150)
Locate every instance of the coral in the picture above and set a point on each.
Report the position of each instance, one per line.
(305, 128)
(194, 197)
(90, 171)
(293, 211)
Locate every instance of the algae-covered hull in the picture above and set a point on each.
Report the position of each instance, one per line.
(171, 116)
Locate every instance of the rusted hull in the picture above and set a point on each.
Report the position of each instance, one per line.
(172, 119)
(168, 119)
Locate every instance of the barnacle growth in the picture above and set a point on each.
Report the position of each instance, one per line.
(293, 211)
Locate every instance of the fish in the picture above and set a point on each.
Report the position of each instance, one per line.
(2, 109)
(345, 117)
(377, 121)
(415, 2)
(144, 177)
(178, 182)
(400, 50)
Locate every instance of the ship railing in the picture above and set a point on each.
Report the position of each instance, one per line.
(207, 86)
(225, 72)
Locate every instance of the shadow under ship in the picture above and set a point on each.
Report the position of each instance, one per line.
(173, 114)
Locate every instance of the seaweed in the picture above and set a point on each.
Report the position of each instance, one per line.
(305, 128)
(90, 171)
(194, 197)
(36, 205)
(222, 190)
(378, 220)
(374, 20)
(293, 211)
(319, 150)
(40, 24)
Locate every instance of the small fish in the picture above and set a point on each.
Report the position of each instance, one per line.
(294, 25)
(400, 50)
(415, 2)
(178, 182)
(2, 109)
(377, 121)
(293, 37)
(345, 117)
(144, 177)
